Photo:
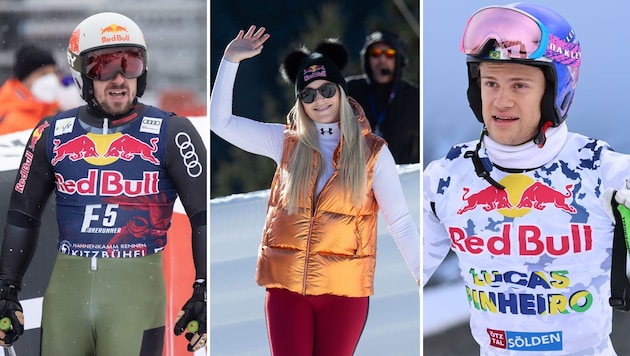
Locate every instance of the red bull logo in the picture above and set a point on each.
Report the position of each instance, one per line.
(37, 134)
(113, 33)
(316, 70)
(113, 28)
(123, 147)
(80, 147)
(490, 198)
(520, 196)
(539, 195)
(127, 147)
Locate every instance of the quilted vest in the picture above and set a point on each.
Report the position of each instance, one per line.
(329, 247)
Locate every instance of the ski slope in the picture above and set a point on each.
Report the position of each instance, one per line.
(237, 316)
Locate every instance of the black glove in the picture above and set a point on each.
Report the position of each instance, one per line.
(192, 318)
(10, 308)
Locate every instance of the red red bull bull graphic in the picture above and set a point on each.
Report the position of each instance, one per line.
(314, 71)
(37, 134)
(125, 147)
(535, 196)
(103, 150)
(538, 195)
(113, 28)
(114, 33)
(544, 289)
(80, 147)
(490, 198)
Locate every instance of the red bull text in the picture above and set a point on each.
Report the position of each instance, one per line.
(316, 70)
(111, 34)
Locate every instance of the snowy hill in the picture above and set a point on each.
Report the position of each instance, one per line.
(237, 303)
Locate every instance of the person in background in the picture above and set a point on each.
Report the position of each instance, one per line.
(527, 208)
(391, 104)
(116, 167)
(318, 251)
(33, 91)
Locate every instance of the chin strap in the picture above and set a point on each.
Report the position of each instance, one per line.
(540, 138)
(480, 168)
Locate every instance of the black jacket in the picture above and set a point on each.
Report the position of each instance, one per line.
(400, 126)
(400, 122)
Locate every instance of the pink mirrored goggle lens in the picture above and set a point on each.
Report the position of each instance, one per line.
(106, 63)
(517, 35)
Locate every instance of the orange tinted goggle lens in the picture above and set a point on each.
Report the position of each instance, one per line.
(106, 63)
(377, 52)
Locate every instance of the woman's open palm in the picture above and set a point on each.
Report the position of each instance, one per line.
(246, 44)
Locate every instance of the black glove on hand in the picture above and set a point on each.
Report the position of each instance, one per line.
(192, 318)
(10, 308)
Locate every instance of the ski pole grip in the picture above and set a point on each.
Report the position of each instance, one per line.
(193, 326)
(5, 324)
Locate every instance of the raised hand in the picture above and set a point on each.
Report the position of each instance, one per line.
(246, 44)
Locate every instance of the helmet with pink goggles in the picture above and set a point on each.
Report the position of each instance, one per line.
(527, 34)
(103, 45)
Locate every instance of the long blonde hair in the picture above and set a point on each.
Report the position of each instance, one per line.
(352, 160)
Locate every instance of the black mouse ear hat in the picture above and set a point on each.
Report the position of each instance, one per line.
(328, 59)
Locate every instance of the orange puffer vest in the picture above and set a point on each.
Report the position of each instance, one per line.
(328, 249)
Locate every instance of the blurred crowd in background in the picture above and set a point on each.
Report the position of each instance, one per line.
(175, 33)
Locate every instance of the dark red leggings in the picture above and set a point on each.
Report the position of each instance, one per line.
(314, 325)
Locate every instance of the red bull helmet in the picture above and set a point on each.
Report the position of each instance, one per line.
(103, 45)
(527, 34)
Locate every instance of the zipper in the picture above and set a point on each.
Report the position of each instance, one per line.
(306, 257)
(307, 252)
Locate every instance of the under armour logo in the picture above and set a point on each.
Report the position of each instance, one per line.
(330, 131)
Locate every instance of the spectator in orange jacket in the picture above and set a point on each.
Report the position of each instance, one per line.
(33, 91)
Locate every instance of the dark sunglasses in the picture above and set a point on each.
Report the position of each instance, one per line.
(327, 90)
(104, 64)
(377, 52)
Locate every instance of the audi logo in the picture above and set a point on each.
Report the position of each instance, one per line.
(152, 122)
(187, 151)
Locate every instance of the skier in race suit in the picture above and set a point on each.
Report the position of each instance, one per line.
(116, 167)
(527, 208)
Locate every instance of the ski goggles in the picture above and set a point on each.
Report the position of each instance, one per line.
(308, 95)
(517, 35)
(104, 64)
(377, 52)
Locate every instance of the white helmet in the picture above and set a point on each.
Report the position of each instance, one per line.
(100, 31)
